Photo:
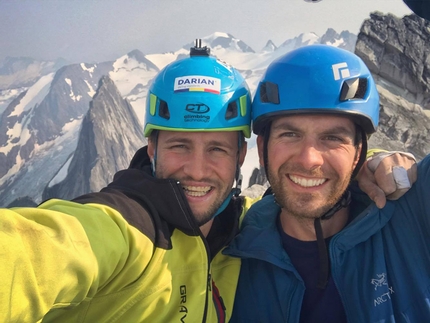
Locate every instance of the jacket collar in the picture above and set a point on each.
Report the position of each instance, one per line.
(259, 237)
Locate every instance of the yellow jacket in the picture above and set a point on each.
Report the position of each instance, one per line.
(130, 253)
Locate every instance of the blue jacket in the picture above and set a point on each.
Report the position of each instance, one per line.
(380, 262)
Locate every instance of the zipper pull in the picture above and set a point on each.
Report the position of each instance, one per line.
(209, 282)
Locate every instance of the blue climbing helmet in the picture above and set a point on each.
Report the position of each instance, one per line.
(317, 79)
(198, 93)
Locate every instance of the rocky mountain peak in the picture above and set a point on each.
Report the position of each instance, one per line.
(270, 47)
(140, 58)
(396, 50)
(17, 72)
(109, 136)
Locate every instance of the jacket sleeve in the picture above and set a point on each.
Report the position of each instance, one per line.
(61, 253)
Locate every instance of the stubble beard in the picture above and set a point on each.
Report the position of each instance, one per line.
(304, 206)
(202, 218)
(205, 217)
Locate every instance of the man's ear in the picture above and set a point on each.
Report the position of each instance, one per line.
(151, 149)
(242, 153)
(260, 145)
(357, 155)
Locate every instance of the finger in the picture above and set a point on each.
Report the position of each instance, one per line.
(397, 194)
(367, 184)
(375, 193)
(413, 173)
(384, 178)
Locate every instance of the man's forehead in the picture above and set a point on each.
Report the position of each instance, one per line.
(314, 119)
(198, 136)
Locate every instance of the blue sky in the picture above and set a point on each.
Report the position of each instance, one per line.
(99, 30)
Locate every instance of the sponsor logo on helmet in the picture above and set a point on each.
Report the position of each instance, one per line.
(340, 70)
(196, 118)
(197, 108)
(197, 83)
(198, 111)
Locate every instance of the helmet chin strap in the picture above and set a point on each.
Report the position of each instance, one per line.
(344, 201)
(238, 178)
(154, 160)
(234, 192)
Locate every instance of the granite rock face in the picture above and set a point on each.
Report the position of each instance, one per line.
(397, 52)
(35, 136)
(109, 136)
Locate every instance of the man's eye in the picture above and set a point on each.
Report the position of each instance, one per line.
(177, 147)
(218, 149)
(332, 138)
(335, 138)
(287, 134)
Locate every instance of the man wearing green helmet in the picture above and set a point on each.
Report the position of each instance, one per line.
(315, 249)
(147, 248)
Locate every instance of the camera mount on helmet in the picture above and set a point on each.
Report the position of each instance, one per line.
(198, 50)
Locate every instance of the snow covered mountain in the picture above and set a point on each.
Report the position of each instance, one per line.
(19, 73)
(110, 131)
(72, 129)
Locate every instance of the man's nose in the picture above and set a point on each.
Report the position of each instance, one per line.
(310, 156)
(197, 167)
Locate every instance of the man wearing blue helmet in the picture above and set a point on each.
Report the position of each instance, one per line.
(188, 103)
(315, 249)
(147, 248)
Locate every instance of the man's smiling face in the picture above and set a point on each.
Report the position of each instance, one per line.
(203, 162)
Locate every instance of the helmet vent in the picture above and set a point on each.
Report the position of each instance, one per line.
(231, 111)
(163, 110)
(353, 89)
(269, 93)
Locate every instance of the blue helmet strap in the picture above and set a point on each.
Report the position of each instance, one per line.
(363, 154)
(225, 203)
(238, 177)
(266, 134)
(154, 160)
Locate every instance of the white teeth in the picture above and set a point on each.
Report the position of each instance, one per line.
(196, 190)
(307, 182)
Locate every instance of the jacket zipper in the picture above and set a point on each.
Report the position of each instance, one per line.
(216, 297)
(209, 277)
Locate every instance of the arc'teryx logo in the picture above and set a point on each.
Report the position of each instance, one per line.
(340, 70)
(381, 283)
(197, 108)
(381, 280)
